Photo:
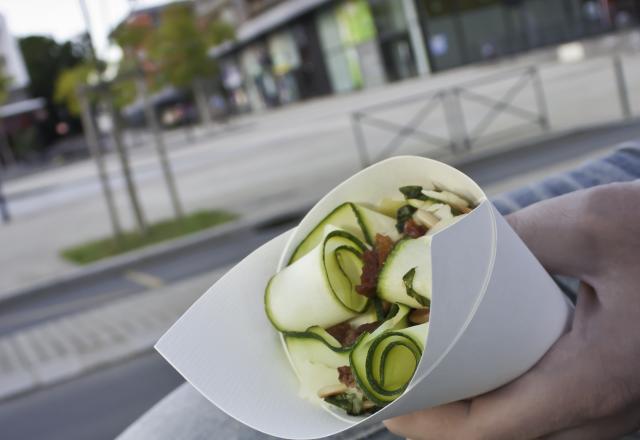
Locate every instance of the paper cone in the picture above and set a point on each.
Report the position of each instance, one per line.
(494, 313)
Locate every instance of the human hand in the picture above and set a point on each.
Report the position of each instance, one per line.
(587, 386)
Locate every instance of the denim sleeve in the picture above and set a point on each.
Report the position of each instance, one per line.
(623, 165)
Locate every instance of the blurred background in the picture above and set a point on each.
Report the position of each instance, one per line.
(145, 147)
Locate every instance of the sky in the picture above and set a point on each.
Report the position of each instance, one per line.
(62, 19)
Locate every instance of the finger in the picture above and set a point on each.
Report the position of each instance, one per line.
(441, 423)
(557, 232)
(557, 393)
(612, 427)
(561, 391)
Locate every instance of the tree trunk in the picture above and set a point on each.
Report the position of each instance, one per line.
(158, 139)
(200, 96)
(91, 137)
(126, 170)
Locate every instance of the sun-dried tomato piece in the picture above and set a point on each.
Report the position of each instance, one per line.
(355, 333)
(373, 260)
(347, 335)
(369, 276)
(383, 247)
(340, 331)
(345, 376)
(414, 230)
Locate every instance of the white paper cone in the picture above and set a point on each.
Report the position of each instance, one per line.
(494, 313)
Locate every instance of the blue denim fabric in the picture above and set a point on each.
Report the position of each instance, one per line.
(623, 165)
(185, 414)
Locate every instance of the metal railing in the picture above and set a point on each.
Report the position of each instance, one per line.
(494, 107)
(432, 101)
(462, 134)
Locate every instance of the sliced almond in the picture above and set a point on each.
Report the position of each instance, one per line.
(419, 316)
(444, 223)
(452, 199)
(332, 390)
(425, 218)
(444, 213)
(368, 404)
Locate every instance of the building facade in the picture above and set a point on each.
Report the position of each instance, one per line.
(288, 50)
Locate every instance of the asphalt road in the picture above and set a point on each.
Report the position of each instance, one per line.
(26, 311)
(101, 404)
(96, 406)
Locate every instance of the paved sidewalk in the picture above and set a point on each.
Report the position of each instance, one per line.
(64, 348)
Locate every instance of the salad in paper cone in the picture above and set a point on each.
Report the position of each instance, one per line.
(352, 304)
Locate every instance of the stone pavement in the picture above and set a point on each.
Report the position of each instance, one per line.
(295, 152)
(64, 348)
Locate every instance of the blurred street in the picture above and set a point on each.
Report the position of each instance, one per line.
(82, 350)
(251, 111)
(118, 317)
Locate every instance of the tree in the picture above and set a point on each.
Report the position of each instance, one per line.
(178, 49)
(217, 32)
(45, 60)
(67, 84)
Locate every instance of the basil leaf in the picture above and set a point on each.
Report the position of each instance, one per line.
(349, 402)
(412, 192)
(408, 284)
(402, 215)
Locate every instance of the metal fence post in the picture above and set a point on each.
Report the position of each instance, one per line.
(541, 100)
(4, 211)
(361, 144)
(621, 83)
(456, 121)
(449, 119)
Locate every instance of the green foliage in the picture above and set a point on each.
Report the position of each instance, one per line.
(124, 92)
(26, 140)
(67, 85)
(217, 32)
(179, 49)
(45, 59)
(129, 37)
(165, 230)
(174, 53)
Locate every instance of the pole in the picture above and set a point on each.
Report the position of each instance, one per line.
(126, 170)
(91, 137)
(5, 149)
(4, 211)
(622, 87)
(541, 102)
(361, 143)
(161, 149)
